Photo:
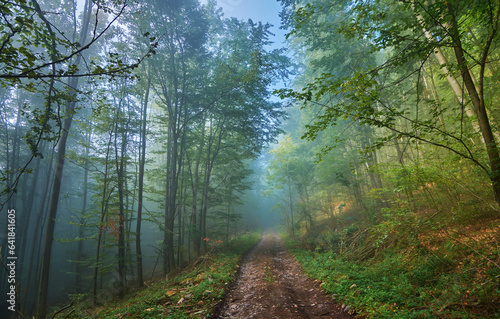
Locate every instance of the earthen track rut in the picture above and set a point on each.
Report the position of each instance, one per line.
(271, 284)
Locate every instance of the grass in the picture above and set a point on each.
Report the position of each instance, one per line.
(191, 294)
(269, 276)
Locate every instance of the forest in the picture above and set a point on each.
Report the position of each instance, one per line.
(142, 138)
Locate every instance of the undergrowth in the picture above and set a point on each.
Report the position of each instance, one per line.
(406, 268)
(192, 293)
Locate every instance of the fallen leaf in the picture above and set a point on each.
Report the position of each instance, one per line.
(186, 281)
(171, 292)
(198, 279)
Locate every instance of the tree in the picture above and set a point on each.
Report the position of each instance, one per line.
(58, 172)
(74, 60)
(213, 95)
(403, 36)
(280, 173)
(37, 55)
(140, 190)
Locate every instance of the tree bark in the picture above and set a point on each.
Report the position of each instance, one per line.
(81, 228)
(142, 164)
(476, 95)
(104, 208)
(58, 175)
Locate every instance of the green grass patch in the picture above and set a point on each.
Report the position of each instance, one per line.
(191, 294)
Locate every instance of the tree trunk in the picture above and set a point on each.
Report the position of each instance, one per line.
(228, 212)
(33, 257)
(290, 198)
(58, 174)
(26, 220)
(104, 207)
(142, 164)
(212, 152)
(120, 170)
(81, 227)
(170, 203)
(477, 97)
(51, 218)
(196, 231)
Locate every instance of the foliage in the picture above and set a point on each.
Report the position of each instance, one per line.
(383, 77)
(41, 56)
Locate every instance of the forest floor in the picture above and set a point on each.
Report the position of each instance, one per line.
(271, 284)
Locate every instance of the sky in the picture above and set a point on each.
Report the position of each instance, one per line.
(257, 10)
(265, 11)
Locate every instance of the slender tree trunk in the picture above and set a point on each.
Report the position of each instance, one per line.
(104, 208)
(120, 169)
(142, 164)
(228, 212)
(181, 188)
(214, 144)
(51, 218)
(58, 174)
(476, 95)
(81, 227)
(170, 204)
(290, 198)
(33, 257)
(196, 231)
(179, 223)
(373, 162)
(26, 220)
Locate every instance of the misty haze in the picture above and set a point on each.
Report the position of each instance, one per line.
(249, 159)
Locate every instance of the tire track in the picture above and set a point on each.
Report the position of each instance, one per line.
(272, 284)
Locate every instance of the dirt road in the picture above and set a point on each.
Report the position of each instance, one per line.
(271, 284)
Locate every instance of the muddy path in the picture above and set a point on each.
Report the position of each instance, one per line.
(271, 284)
